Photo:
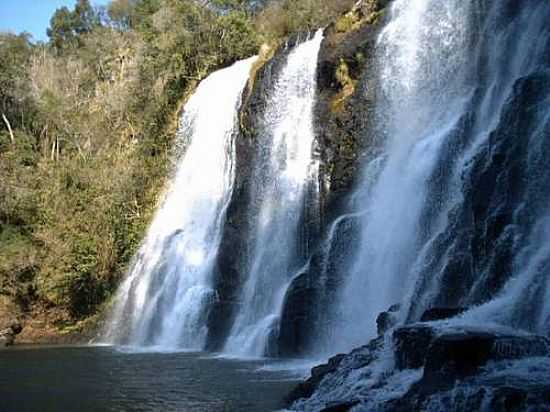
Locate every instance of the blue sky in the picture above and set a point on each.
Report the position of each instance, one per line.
(32, 16)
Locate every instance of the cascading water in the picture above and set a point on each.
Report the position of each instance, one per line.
(456, 224)
(458, 215)
(284, 171)
(164, 300)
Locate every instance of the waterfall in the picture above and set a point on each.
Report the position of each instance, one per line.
(165, 298)
(284, 171)
(458, 215)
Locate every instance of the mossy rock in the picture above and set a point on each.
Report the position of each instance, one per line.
(347, 85)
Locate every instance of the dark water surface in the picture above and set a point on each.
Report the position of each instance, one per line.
(106, 379)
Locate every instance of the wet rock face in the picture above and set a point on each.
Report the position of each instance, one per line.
(458, 370)
(309, 302)
(340, 123)
(237, 237)
(358, 358)
(307, 388)
(296, 317)
(340, 406)
(459, 354)
(456, 356)
(346, 100)
(474, 257)
(411, 346)
(440, 313)
(341, 117)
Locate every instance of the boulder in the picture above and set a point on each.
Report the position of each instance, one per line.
(6, 338)
(458, 355)
(454, 356)
(7, 335)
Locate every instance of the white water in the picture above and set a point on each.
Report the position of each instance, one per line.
(164, 300)
(427, 58)
(281, 187)
(407, 49)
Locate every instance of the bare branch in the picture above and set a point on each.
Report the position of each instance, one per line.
(8, 125)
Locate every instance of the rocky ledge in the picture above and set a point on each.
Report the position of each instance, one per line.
(434, 366)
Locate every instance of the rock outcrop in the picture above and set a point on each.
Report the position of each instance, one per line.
(468, 362)
(9, 333)
(346, 100)
(434, 366)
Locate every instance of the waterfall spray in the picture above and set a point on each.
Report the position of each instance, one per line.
(165, 298)
(281, 184)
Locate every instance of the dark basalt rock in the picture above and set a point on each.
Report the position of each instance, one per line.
(307, 388)
(296, 317)
(455, 375)
(457, 371)
(455, 356)
(451, 359)
(411, 345)
(341, 407)
(459, 354)
(440, 314)
(357, 358)
(346, 100)
(472, 396)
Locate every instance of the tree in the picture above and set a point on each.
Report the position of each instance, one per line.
(15, 51)
(122, 14)
(61, 31)
(85, 17)
(237, 5)
(67, 26)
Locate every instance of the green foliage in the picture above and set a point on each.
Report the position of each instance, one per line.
(122, 14)
(85, 17)
(67, 27)
(239, 37)
(15, 104)
(283, 17)
(235, 5)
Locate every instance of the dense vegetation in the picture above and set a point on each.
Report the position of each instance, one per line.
(85, 134)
